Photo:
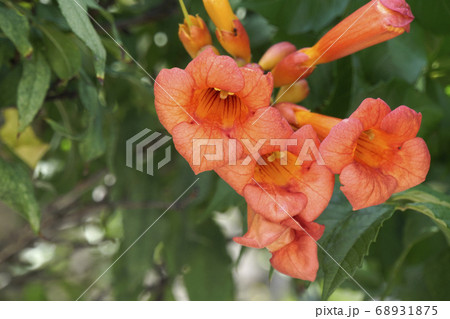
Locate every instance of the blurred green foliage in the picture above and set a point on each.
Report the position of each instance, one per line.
(86, 87)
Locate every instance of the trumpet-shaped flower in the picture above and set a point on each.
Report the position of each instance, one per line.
(294, 250)
(286, 180)
(376, 152)
(375, 22)
(214, 99)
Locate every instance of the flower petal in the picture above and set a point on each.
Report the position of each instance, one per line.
(338, 147)
(261, 232)
(371, 112)
(274, 203)
(317, 183)
(173, 94)
(297, 259)
(304, 135)
(403, 123)
(311, 229)
(257, 90)
(215, 71)
(204, 147)
(403, 16)
(365, 186)
(237, 176)
(410, 165)
(266, 124)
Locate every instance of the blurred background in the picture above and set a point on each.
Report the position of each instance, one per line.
(65, 168)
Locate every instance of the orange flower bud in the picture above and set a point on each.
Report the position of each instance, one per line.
(293, 93)
(275, 54)
(230, 32)
(298, 116)
(194, 35)
(375, 22)
(291, 69)
(220, 13)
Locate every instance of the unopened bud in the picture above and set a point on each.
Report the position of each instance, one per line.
(275, 54)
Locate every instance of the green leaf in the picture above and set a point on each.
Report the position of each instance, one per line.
(313, 16)
(32, 89)
(62, 52)
(75, 13)
(408, 55)
(209, 274)
(401, 58)
(436, 275)
(432, 16)
(348, 243)
(223, 198)
(63, 130)
(9, 80)
(415, 231)
(17, 192)
(16, 28)
(429, 202)
(93, 144)
(298, 16)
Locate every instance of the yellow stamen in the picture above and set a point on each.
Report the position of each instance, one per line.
(223, 94)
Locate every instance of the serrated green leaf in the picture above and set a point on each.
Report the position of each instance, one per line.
(17, 192)
(428, 202)
(75, 13)
(32, 89)
(62, 52)
(348, 243)
(15, 27)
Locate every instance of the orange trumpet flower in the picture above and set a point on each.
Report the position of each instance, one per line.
(294, 250)
(287, 180)
(375, 22)
(214, 99)
(376, 152)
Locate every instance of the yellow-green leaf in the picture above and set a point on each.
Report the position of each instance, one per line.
(25, 145)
